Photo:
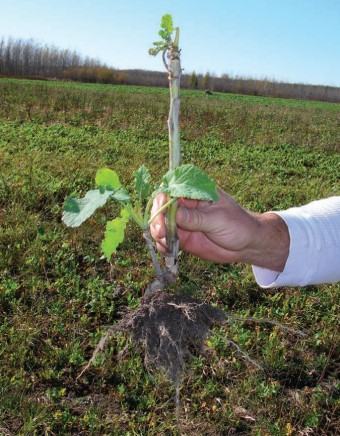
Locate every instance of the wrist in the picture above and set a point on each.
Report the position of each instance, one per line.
(269, 245)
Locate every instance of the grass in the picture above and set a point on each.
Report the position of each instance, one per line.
(57, 295)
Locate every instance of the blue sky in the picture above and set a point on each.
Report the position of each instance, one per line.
(288, 40)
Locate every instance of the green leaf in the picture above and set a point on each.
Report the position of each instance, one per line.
(77, 210)
(114, 234)
(188, 181)
(108, 178)
(142, 182)
(121, 195)
(154, 51)
(167, 23)
(165, 33)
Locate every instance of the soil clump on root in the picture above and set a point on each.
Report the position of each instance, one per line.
(169, 328)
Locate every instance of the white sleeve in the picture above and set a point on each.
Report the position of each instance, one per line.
(314, 252)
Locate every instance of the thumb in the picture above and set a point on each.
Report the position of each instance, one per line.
(192, 219)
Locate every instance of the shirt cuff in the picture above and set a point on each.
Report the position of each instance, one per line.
(265, 278)
(298, 266)
(314, 251)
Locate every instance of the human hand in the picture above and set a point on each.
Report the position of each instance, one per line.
(225, 232)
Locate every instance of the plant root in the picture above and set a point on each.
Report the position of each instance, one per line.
(171, 328)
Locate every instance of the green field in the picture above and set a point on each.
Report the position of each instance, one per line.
(57, 296)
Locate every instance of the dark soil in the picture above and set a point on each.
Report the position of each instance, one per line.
(170, 328)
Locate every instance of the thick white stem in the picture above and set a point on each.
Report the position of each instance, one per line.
(173, 120)
(175, 71)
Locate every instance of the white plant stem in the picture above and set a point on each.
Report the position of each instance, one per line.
(174, 70)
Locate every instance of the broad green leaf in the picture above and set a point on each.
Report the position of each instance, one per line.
(167, 23)
(142, 182)
(77, 210)
(107, 178)
(188, 181)
(114, 234)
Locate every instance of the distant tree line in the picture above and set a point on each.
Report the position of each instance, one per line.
(27, 58)
(263, 87)
(236, 85)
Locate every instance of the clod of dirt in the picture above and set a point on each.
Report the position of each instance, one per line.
(170, 328)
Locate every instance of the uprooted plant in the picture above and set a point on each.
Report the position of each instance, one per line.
(168, 326)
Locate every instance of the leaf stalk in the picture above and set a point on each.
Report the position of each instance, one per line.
(162, 209)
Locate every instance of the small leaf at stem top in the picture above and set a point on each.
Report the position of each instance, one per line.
(167, 23)
(167, 28)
